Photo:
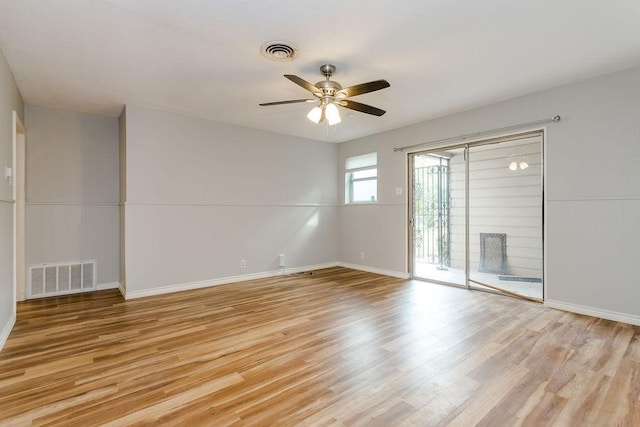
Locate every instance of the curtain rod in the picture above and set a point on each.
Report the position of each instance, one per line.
(481, 133)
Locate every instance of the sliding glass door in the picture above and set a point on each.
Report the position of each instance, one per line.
(438, 216)
(476, 215)
(505, 217)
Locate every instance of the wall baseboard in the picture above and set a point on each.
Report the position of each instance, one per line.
(222, 281)
(4, 335)
(375, 270)
(593, 311)
(109, 285)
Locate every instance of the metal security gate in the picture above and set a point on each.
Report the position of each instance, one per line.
(431, 211)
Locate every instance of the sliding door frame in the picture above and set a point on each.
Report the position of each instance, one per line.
(541, 132)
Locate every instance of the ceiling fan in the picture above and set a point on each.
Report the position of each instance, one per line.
(331, 94)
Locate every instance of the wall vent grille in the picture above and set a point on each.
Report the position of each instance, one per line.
(61, 278)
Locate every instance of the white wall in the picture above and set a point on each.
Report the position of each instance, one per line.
(72, 189)
(10, 100)
(201, 196)
(592, 190)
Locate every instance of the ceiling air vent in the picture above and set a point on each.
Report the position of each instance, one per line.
(278, 51)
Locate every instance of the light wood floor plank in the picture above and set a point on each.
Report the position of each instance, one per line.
(338, 347)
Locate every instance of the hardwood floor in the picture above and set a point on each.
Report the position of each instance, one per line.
(339, 347)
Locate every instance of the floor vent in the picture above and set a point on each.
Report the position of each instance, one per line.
(61, 278)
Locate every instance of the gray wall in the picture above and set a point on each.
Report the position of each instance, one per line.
(201, 196)
(10, 100)
(72, 189)
(377, 229)
(592, 189)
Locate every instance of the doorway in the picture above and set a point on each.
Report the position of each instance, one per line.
(476, 215)
(437, 221)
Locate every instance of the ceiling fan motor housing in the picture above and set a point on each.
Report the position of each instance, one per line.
(328, 87)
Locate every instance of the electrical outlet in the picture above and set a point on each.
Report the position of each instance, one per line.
(398, 191)
(361, 255)
(282, 260)
(243, 263)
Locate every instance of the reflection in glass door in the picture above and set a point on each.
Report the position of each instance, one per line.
(505, 217)
(476, 215)
(438, 221)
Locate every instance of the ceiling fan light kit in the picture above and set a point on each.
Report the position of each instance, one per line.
(315, 114)
(332, 113)
(331, 95)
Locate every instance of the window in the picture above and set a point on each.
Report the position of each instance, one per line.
(361, 179)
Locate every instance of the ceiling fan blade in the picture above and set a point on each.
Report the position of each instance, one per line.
(363, 88)
(303, 83)
(363, 108)
(293, 101)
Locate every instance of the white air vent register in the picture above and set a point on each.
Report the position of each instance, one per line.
(61, 278)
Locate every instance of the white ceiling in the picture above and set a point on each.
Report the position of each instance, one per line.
(202, 57)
